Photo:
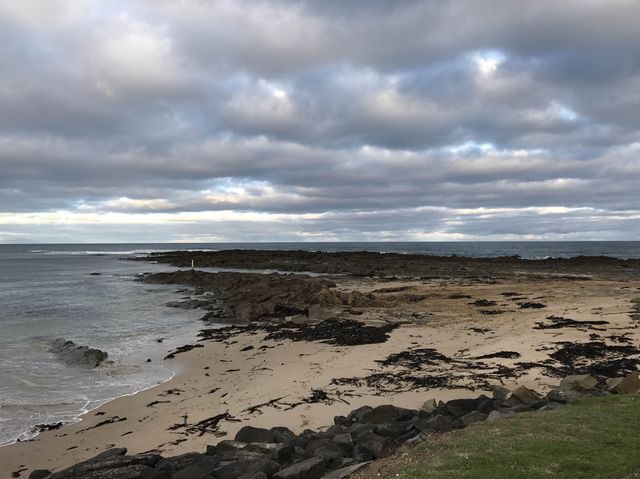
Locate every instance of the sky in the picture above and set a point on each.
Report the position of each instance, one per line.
(317, 120)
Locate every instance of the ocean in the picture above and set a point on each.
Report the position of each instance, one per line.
(48, 291)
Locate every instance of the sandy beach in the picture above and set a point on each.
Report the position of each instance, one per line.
(247, 378)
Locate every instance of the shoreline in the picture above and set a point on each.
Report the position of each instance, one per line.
(236, 373)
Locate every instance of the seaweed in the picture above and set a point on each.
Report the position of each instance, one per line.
(558, 322)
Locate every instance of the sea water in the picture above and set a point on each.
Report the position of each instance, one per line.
(49, 291)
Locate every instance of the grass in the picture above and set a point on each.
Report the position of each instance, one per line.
(594, 438)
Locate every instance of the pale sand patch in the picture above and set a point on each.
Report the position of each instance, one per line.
(292, 369)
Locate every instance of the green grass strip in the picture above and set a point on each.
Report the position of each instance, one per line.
(593, 438)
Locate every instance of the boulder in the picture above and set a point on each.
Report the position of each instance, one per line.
(224, 447)
(331, 456)
(265, 448)
(500, 393)
(356, 414)
(460, 407)
(611, 383)
(358, 428)
(39, 474)
(185, 461)
(254, 434)
(563, 396)
(526, 395)
(629, 385)
(429, 405)
(579, 382)
(290, 454)
(393, 429)
(344, 440)
(496, 415)
(386, 413)
(473, 417)
(436, 423)
(340, 421)
(283, 435)
(246, 469)
(74, 355)
(376, 445)
(100, 466)
(327, 444)
(312, 468)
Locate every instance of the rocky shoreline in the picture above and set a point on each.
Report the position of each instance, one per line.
(354, 440)
(379, 333)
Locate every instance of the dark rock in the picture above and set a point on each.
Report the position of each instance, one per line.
(526, 395)
(282, 435)
(334, 430)
(254, 434)
(437, 423)
(460, 407)
(327, 444)
(356, 414)
(312, 468)
(330, 456)
(563, 396)
(305, 436)
(410, 434)
(241, 455)
(39, 474)
(345, 440)
(340, 421)
(225, 446)
(113, 452)
(186, 461)
(377, 445)
(246, 469)
(109, 466)
(387, 413)
(290, 454)
(359, 428)
(268, 449)
(392, 429)
(74, 355)
(473, 417)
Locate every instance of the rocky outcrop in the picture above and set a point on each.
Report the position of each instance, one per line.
(76, 355)
(362, 263)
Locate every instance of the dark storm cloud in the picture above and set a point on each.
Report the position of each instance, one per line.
(314, 119)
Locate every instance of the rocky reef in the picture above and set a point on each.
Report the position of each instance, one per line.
(73, 354)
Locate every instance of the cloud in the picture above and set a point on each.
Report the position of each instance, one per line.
(319, 120)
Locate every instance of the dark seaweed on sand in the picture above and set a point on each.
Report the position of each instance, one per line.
(558, 322)
(346, 332)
